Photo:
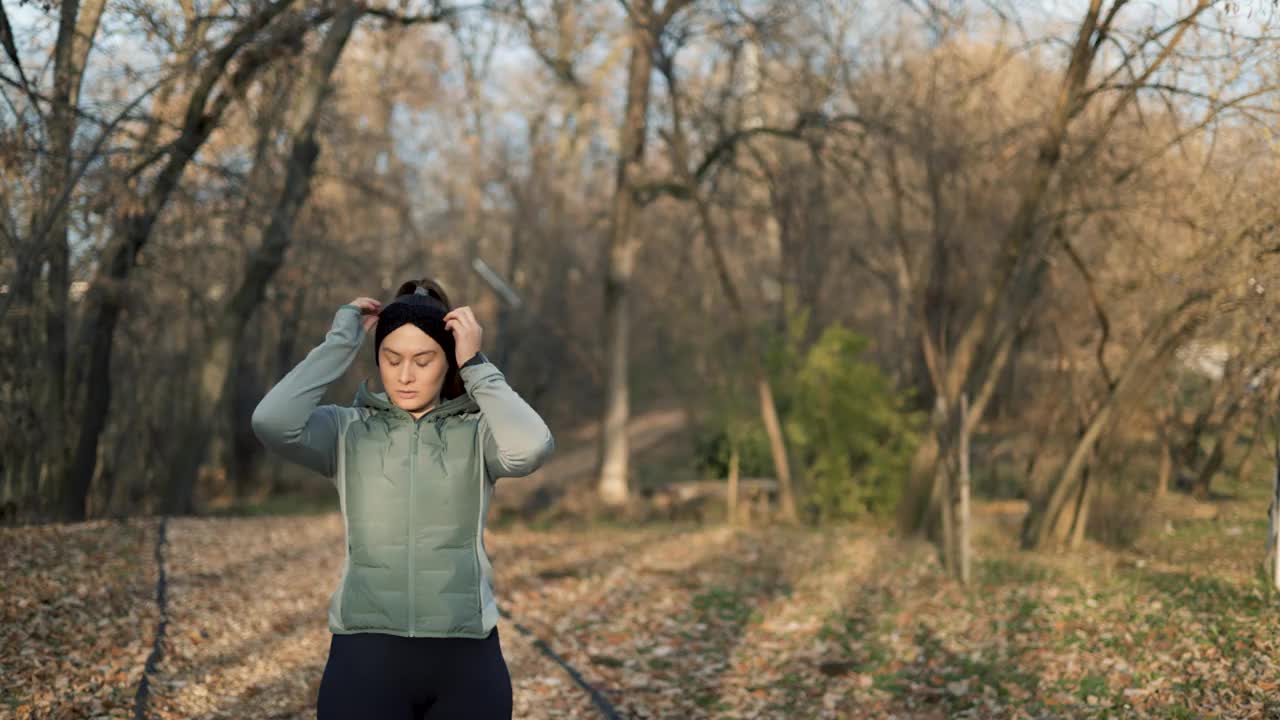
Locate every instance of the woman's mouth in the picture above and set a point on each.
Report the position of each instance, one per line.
(406, 393)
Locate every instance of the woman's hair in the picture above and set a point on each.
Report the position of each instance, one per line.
(431, 286)
(453, 386)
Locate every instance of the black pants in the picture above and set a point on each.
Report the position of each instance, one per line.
(376, 676)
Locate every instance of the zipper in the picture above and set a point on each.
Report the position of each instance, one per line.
(433, 416)
(412, 545)
(480, 576)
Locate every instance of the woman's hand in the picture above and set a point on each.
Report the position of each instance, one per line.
(466, 332)
(369, 309)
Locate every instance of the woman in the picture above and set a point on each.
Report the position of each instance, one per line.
(413, 620)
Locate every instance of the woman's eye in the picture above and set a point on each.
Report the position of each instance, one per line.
(422, 364)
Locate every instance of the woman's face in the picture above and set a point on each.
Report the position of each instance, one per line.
(413, 366)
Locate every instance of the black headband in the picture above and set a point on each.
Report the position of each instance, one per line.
(421, 310)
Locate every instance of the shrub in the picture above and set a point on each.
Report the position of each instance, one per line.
(849, 429)
(850, 433)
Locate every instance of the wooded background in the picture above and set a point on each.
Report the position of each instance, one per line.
(813, 226)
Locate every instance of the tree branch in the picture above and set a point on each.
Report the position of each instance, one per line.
(11, 50)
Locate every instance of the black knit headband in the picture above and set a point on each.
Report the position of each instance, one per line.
(422, 310)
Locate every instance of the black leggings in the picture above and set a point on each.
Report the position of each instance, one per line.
(376, 676)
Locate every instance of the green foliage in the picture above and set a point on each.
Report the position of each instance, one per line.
(849, 432)
(849, 428)
(714, 448)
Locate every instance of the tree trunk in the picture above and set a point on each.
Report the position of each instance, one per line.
(732, 509)
(949, 554)
(778, 448)
(1228, 431)
(963, 525)
(1057, 518)
(1200, 486)
(1166, 470)
(76, 27)
(623, 245)
(1080, 523)
(1273, 527)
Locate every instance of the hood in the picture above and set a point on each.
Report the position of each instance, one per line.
(379, 401)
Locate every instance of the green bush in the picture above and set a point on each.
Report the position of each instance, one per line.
(849, 429)
(714, 448)
(849, 432)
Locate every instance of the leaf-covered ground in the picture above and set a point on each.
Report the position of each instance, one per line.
(77, 617)
(666, 622)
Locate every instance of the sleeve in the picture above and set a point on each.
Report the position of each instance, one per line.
(290, 420)
(516, 439)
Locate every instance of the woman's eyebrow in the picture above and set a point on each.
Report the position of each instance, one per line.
(396, 353)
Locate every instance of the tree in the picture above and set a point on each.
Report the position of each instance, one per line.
(972, 356)
(687, 184)
(645, 25)
(45, 237)
(224, 345)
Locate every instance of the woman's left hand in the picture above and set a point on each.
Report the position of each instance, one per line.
(466, 332)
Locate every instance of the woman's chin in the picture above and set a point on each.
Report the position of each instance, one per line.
(410, 402)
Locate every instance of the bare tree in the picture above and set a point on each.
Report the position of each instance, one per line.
(253, 45)
(645, 25)
(45, 238)
(224, 345)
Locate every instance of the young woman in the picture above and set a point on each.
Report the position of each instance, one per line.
(413, 620)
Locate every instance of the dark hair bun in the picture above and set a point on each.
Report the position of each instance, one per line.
(431, 287)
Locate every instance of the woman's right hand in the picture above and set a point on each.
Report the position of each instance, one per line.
(369, 309)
